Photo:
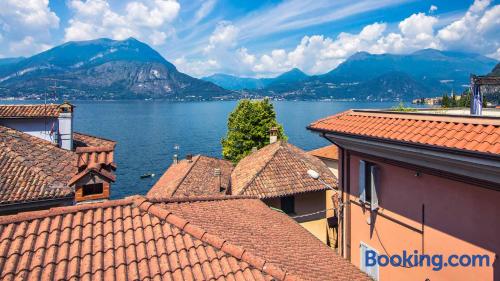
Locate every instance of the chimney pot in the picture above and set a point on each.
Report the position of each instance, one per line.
(176, 159)
(273, 135)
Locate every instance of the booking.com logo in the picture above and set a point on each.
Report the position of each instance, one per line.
(437, 261)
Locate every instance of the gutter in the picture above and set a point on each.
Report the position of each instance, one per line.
(34, 205)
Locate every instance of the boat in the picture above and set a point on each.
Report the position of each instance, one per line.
(147, 175)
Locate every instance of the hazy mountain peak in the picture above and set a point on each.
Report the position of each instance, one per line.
(294, 73)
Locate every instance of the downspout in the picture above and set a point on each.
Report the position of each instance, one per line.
(344, 216)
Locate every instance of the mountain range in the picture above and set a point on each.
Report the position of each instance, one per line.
(365, 76)
(130, 69)
(101, 69)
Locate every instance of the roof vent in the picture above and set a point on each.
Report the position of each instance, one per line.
(189, 157)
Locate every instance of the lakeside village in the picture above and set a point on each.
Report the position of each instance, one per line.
(424, 181)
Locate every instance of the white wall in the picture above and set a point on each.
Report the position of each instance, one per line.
(39, 127)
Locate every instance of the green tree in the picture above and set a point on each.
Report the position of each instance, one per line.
(446, 101)
(248, 126)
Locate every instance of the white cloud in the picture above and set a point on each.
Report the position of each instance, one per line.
(25, 26)
(204, 10)
(432, 9)
(147, 20)
(224, 36)
(478, 30)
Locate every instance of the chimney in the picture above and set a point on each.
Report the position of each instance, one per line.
(217, 173)
(254, 149)
(189, 158)
(273, 135)
(176, 159)
(65, 121)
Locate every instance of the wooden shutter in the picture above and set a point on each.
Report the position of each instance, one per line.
(373, 184)
(362, 180)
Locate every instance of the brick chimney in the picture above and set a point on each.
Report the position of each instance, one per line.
(65, 121)
(273, 135)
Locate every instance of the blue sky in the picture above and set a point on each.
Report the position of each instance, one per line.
(255, 38)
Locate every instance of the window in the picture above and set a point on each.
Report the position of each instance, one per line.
(92, 189)
(368, 175)
(288, 204)
(368, 262)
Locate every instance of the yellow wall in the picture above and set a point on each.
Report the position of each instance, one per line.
(307, 203)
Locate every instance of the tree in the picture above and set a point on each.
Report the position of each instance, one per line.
(248, 126)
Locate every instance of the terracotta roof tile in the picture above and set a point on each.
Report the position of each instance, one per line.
(33, 169)
(328, 152)
(85, 140)
(30, 170)
(278, 169)
(29, 111)
(193, 178)
(473, 134)
(125, 240)
(292, 251)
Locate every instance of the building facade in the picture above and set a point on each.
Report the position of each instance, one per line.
(423, 184)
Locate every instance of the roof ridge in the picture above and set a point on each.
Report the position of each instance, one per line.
(200, 198)
(213, 240)
(24, 216)
(38, 104)
(262, 168)
(93, 136)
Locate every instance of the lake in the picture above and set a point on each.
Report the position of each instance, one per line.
(147, 131)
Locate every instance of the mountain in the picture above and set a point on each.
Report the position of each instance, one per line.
(428, 66)
(231, 82)
(103, 69)
(365, 76)
(495, 71)
(6, 61)
(245, 83)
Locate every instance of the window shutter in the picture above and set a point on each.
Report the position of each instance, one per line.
(373, 181)
(362, 181)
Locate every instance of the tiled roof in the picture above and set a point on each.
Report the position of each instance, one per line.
(32, 168)
(272, 235)
(133, 239)
(474, 134)
(85, 140)
(29, 111)
(193, 178)
(328, 152)
(279, 169)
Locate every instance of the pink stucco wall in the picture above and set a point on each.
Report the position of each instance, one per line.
(460, 219)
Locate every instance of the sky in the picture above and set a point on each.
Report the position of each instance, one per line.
(254, 38)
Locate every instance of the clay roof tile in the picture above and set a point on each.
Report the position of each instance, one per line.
(456, 132)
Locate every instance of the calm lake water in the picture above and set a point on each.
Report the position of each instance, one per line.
(147, 131)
